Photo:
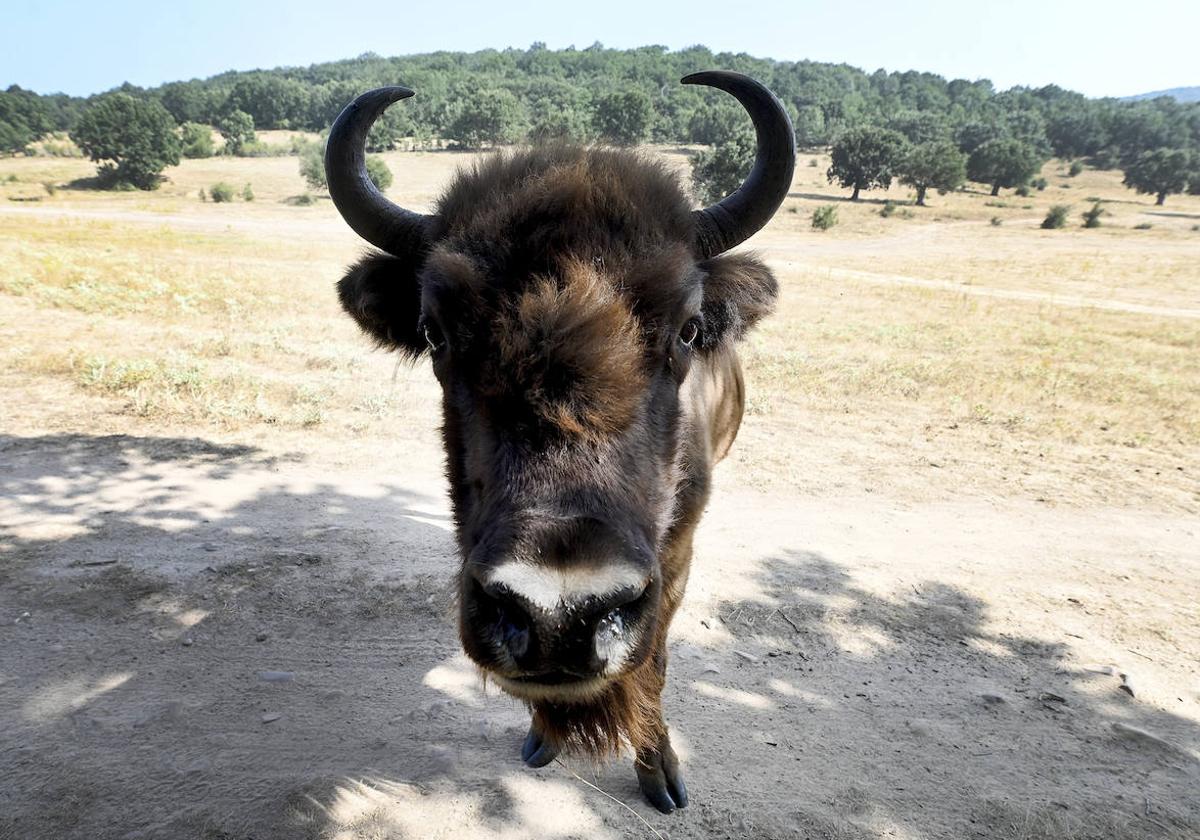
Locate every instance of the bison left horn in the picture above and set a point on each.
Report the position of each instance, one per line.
(377, 220)
(740, 215)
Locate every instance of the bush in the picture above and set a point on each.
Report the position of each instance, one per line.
(814, 163)
(1057, 217)
(1023, 190)
(237, 127)
(1143, 226)
(823, 218)
(50, 187)
(1076, 168)
(312, 166)
(1038, 184)
(378, 172)
(889, 207)
(133, 140)
(247, 193)
(197, 140)
(303, 200)
(221, 192)
(203, 194)
(997, 221)
(720, 170)
(1091, 218)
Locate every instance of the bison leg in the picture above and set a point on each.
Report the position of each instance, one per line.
(660, 778)
(538, 751)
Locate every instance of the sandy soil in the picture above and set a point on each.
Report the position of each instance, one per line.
(215, 640)
(246, 632)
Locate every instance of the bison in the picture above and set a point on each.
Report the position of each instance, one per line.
(582, 319)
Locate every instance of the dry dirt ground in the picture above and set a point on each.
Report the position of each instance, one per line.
(923, 605)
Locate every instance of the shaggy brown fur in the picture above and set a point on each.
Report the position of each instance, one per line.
(579, 404)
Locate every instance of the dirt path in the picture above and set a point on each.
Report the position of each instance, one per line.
(217, 641)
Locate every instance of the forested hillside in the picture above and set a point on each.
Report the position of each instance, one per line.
(495, 97)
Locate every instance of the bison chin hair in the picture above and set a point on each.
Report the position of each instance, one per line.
(597, 718)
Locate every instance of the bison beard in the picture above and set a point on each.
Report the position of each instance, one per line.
(581, 319)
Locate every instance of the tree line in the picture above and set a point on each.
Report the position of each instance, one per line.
(495, 97)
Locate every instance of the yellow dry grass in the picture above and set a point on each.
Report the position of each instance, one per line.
(158, 309)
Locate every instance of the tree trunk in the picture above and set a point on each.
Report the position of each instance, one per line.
(995, 189)
(921, 196)
(855, 196)
(1162, 198)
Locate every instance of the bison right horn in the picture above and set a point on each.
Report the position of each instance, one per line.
(372, 216)
(738, 216)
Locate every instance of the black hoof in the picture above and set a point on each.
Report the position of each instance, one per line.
(661, 780)
(536, 751)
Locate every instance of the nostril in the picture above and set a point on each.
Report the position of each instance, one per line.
(513, 632)
(611, 627)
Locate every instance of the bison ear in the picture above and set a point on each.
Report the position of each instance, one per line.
(738, 292)
(382, 294)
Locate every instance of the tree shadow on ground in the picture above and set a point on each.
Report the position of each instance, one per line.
(1169, 215)
(205, 640)
(845, 198)
(871, 690)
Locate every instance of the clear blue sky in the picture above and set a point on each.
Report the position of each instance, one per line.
(1102, 48)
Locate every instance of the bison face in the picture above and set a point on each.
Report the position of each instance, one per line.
(572, 306)
(567, 384)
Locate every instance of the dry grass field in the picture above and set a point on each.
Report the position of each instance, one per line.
(963, 504)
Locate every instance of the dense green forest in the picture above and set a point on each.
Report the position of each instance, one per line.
(502, 96)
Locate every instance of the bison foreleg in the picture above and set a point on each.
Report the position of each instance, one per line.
(538, 750)
(660, 778)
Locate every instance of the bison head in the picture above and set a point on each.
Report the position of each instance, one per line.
(575, 310)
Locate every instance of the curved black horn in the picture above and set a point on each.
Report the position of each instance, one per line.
(374, 218)
(737, 217)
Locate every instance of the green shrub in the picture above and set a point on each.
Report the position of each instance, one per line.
(378, 172)
(312, 166)
(997, 221)
(221, 192)
(1038, 184)
(1143, 226)
(718, 171)
(197, 140)
(1056, 218)
(1076, 168)
(1091, 218)
(247, 193)
(823, 218)
(203, 194)
(888, 209)
(1023, 190)
(50, 187)
(302, 200)
(814, 163)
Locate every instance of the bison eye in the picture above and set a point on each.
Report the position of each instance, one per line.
(690, 332)
(433, 336)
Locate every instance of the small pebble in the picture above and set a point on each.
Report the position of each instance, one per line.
(749, 657)
(187, 641)
(271, 717)
(276, 676)
(261, 637)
